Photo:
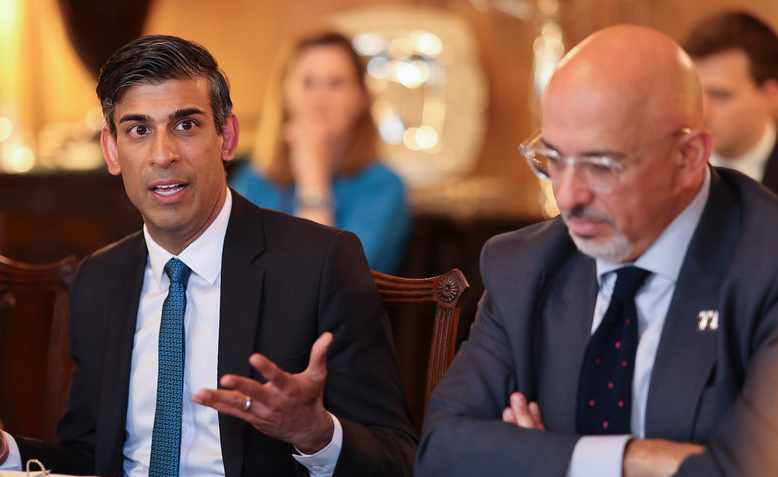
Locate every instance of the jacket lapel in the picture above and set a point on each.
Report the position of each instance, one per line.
(121, 321)
(241, 296)
(565, 331)
(686, 357)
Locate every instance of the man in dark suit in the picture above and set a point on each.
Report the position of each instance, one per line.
(735, 55)
(223, 339)
(637, 334)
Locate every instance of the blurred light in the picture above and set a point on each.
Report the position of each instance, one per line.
(428, 43)
(19, 160)
(391, 127)
(6, 127)
(409, 139)
(401, 47)
(369, 44)
(426, 137)
(411, 74)
(94, 119)
(421, 138)
(378, 67)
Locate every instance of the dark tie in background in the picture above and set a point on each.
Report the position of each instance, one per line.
(605, 383)
(166, 436)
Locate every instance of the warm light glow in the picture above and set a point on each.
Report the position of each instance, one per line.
(379, 67)
(422, 138)
(411, 74)
(428, 43)
(6, 128)
(426, 137)
(369, 44)
(20, 159)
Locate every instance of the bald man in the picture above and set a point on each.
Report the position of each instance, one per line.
(636, 334)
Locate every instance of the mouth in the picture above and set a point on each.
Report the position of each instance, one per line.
(585, 228)
(168, 190)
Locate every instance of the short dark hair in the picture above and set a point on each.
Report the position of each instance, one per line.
(737, 30)
(153, 59)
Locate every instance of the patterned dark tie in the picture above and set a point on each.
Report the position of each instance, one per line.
(166, 436)
(605, 383)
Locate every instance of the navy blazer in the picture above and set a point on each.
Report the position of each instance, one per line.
(284, 282)
(715, 387)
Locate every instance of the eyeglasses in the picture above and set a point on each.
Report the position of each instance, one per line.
(602, 173)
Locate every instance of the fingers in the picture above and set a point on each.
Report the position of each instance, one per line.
(508, 417)
(523, 414)
(268, 370)
(534, 411)
(245, 387)
(228, 402)
(317, 364)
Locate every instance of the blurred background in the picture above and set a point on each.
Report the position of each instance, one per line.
(455, 86)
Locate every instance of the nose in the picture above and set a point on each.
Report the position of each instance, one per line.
(570, 189)
(163, 149)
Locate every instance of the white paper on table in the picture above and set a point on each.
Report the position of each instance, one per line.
(33, 473)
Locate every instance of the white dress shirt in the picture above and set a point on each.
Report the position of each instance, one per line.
(754, 162)
(200, 444)
(602, 456)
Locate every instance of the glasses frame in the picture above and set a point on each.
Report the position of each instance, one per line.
(616, 166)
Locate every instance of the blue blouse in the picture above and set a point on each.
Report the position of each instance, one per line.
(372, 204)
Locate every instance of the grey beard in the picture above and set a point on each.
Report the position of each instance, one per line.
(617, 249)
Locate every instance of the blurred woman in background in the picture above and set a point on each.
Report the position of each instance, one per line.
(316, 154)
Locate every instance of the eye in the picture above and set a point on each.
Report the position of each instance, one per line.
(600, 169)
(186, 125)
(139, 130)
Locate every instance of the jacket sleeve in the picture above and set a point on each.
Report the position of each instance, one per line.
(463, 431)
(363, 387)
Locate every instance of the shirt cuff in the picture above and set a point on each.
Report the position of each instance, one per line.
(598, 456)
(14, 460)
(322, 463)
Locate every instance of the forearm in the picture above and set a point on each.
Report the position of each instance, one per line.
(467, 446)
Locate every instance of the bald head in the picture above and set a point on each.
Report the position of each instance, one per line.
(633, 77)
(626, 104)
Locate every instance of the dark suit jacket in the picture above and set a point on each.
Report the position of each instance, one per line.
(284, 281)
(770, 179)
(719, 387)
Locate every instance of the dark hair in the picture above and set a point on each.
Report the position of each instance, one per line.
(736, 30)
(152, 59)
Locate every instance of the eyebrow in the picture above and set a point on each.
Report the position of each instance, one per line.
(593, 153)
(177, 114)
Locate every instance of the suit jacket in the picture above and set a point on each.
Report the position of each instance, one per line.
(284, 281)
(770, 179)
(534, 321)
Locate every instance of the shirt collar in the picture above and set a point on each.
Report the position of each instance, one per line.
(664, 256)
(753, 162)
(203, 256)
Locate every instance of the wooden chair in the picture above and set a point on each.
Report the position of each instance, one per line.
(34, 356)
(445, 292)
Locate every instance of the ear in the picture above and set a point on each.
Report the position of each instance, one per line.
(695, 151)
(769, 90)
(230, 134)
(110, 151)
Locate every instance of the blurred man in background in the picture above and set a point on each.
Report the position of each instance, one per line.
(736, 55)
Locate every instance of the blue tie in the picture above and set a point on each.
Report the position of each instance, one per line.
(166, 437)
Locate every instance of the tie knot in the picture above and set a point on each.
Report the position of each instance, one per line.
(628, 281)
(177, 271)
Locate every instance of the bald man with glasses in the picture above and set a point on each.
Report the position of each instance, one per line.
(637, 333)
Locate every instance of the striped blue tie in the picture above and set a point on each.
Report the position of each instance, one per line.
(166, 437)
